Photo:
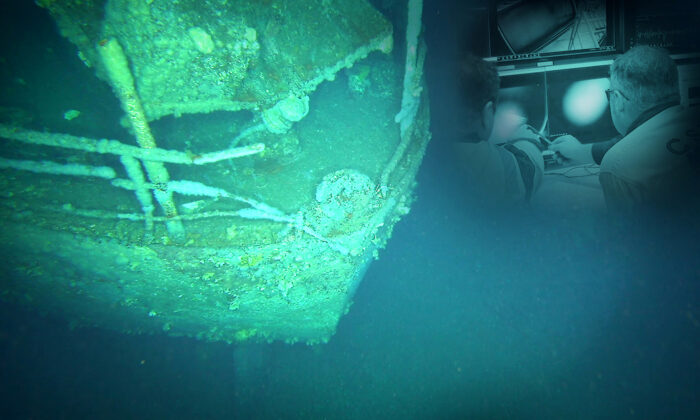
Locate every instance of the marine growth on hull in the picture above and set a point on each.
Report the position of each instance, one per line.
(218, 169)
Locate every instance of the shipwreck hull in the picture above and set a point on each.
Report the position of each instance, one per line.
(236, 225)
(294, 289)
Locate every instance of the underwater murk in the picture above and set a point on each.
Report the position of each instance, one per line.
(225, 209)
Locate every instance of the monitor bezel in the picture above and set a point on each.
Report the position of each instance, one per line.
(615, 16)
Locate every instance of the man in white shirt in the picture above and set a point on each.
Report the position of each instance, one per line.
(655, 165)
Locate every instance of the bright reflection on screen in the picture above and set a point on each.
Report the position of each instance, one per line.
(585, 101)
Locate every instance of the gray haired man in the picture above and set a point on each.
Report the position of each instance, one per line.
(654, 165)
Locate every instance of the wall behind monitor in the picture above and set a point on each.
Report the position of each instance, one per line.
(451, 29)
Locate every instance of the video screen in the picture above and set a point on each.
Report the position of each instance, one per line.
(674, 25)
(549, 27)
(578, 104)
(521, 99)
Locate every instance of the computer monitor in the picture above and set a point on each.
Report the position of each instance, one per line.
(673, 25)
(520, 99)
(532, 30)
(578, 105)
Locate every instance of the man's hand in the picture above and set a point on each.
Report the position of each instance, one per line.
(527, 133)
(569, 148)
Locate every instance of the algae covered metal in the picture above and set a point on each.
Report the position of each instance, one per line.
(194, 56)
(258, 166)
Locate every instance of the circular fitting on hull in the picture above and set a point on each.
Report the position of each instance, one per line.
(279, 118)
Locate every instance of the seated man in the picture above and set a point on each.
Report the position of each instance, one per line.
(654, 164)
(498, 176)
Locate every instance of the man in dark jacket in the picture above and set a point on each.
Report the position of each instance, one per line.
(501, 175)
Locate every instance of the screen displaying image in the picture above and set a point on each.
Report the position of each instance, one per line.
(549, 27)
(578, 104)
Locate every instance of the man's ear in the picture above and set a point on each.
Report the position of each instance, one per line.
(488, 113)
(488, 110)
